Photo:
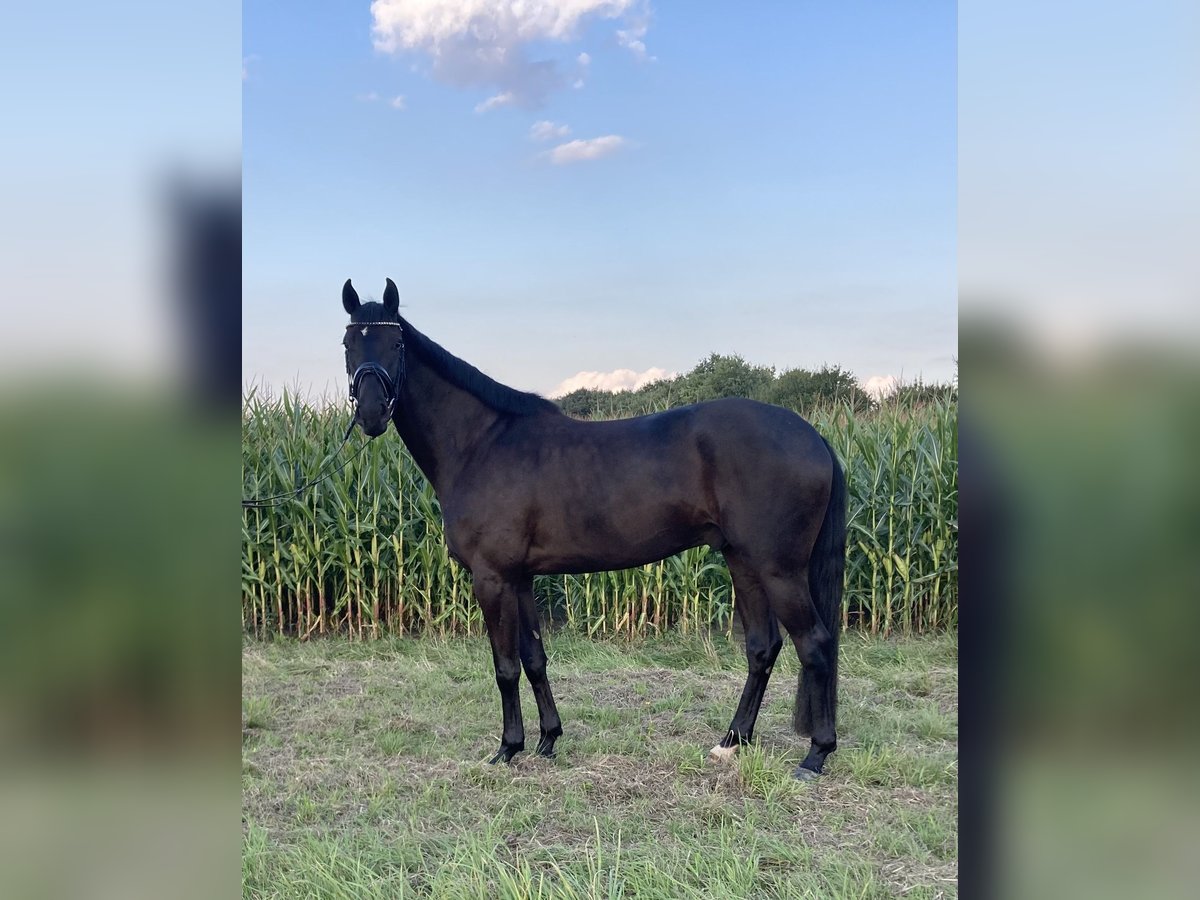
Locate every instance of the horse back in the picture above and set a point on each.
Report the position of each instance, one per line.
(556, 494)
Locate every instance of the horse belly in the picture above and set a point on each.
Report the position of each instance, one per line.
(583, 540)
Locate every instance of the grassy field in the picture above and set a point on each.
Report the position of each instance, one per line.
(363, 774)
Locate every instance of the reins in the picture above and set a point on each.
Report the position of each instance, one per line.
(391, 388)
(279, 499)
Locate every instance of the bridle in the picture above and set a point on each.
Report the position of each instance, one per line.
(391, 388)
(390, 385)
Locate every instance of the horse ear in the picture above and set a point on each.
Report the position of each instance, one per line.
(391, 298)
(349, 297)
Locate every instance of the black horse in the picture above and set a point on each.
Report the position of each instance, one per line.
(526, 490)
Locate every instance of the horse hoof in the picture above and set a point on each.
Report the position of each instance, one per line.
(719, 754)
(803, 774)
(505, 754)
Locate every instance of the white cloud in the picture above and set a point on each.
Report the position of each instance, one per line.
(582, 150)
(398, 102)
(880, 386)
(617, 380)
(369, 97)
(424, 23)
(548, 131)
(483, 43)
(246, 60)
(504, 99)
(631, 39)
(582, 63)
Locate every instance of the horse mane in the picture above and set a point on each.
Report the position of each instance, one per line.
(461, 374)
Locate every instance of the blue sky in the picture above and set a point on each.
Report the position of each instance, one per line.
(775, 180)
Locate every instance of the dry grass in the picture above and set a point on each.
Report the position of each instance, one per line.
(364, 775)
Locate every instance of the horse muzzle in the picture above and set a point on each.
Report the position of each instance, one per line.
(373, 415)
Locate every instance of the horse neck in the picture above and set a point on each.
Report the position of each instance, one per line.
(440, 423)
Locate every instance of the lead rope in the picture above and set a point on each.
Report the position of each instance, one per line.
(278, 499)
(392, 388)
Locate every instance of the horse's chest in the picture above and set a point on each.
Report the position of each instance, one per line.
(499, 540)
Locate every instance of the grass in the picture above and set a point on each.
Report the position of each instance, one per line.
(364, 775)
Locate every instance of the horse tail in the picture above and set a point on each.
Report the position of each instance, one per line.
(826, 576)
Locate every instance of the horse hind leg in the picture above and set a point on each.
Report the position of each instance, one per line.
(763, 643)
(816, 692)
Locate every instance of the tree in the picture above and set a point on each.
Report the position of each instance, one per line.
(804, 390)
(584, 403)
(724, 376)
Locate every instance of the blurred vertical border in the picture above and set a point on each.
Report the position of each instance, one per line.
(119, 461)
(1080, 493)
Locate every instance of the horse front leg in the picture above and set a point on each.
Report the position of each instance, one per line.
(533, 655)
(501, 613)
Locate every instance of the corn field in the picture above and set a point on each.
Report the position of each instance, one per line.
(362, 554)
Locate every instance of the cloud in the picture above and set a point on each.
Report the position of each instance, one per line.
(583, 150)
(631, 39)
(246, 60)
(435, 23)
(505, 99)
(617, 380)
(485, 43)
(582, 63)
(548, 131)
(397, 102)
(880, 386)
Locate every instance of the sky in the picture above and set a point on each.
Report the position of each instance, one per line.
(1079, 193)
(598, 191)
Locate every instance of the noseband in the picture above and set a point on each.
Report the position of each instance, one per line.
(391, 386)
